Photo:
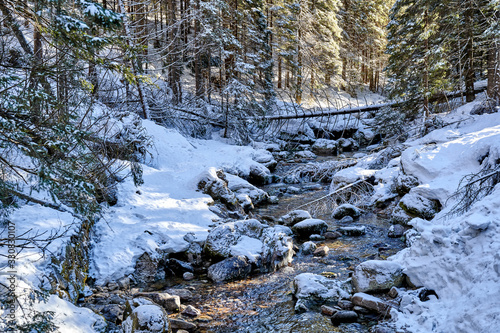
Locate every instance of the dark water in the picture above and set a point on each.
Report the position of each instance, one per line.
(264, 303)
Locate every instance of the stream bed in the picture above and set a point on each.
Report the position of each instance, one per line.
(265, 302)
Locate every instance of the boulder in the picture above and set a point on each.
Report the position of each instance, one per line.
(346, 219)
(178, 324)
(321, 251)
(372, 303)
(311, 289)
(259, 175)
(229, 269)
(294, 217)
(377, 276)
(277, 249)
(169, 302)
(309, 227)
(308, 247)
(396, 231)
(243, 189)
(344, 317)
(399, 216)
(348, 144)
(148, 318)
(346, 210)
(404, 183)
(418, 206)
(332, 235)
(191, 311)
(325, 147)
(315, 237)
(147, 270)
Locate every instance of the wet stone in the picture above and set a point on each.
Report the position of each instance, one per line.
(353, 231)
(188, 276)
(393, 292)
(191, 311)
(372, 303)
(308, 247)
(346, 219)
(233, 268)
(316, 237)
(182, 324)
(321, 251)
(396, 231)
(328, 310)
(332, 235)
(344, 317)
(345, 304)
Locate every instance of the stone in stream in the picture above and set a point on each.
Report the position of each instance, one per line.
(332, 235)
(353, 231)
(346, 210)
(372, 303)
(393, 292)
(315, 237)
(328, 310)
(396, 231)
(344, 317)
(308, 247)
(346, 219)
(377, 276)
(169, 302)
(184, 294)
(147, 318)
(325, 147)
(178, 324)
(308, 227)
(188, 276)
(294, 217)
(311, 289)
(233, 268)
(191, 311)
(345, 304)
(321, 251)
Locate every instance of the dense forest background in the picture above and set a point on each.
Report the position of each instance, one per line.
(77, 76)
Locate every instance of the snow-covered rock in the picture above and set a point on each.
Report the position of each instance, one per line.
(308, 247)
(419, 206)
(294, 217)
(325, 147)
(213, 182)
(147, 319)
(242, 187)
(308, 227)
(234, 268)
(377, 275)
(346, 210)
(310, 289)
(372, 303)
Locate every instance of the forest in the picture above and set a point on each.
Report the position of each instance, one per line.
(109, 105)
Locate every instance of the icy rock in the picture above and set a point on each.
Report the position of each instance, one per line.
(147, 319)
(311, 289)
(346, 210)
(353, 231)
(308, 247)
(113, 313)
(350, 175)
(294, 217)
(213, 182)
(169, 302)
(147, 269)
(316, 238)
(399, 216)
(325, 147)
(344, 317)
(277, 249)
(348, 144)
(234, 268)
(345, 304)
(293, 190)
(372, 303)
(410, 237)
(377, 276)
(396, 231)
(304, 154)
(243, 188)
(259, 175)
(321, 251)
(306, 228)
(418, 206)
(404, 183)
(346, 219)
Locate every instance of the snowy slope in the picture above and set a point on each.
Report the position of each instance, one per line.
(457, 257)
(168, 205)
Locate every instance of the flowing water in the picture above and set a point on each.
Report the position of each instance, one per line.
(265, 303)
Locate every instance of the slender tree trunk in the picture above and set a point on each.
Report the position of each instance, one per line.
(469, 61)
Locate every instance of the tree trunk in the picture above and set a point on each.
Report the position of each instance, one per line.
(469, 61)
(493, 73)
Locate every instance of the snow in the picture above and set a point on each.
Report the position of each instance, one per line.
(168, 206)
(248, 247)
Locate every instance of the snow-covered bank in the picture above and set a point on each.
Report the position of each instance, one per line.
(457, 257)
(161, 212)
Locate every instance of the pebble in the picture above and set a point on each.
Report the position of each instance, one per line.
(316, 237)
(344, 317)
(321, 251)
(396, 231)
(347, 219)
(182, 324)
(393, 292)
(332, 235)
(328, 310)
(191, 311)
(188, 276)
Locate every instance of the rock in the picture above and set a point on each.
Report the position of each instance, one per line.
(308, 227)
(184, 294)
(178, 324)
(313, 187)
(377, 276)
(147, 318)
(191, 311)
(308, 247)
(204, 319)
(112, 286)
(393, 292)
(169, 302)
(178, 267)
(293, 190)
(321, 251)
(353, 231)
(311, 289)
(316, 237)
(346, 210)
(213, 182)
(294, 217)
(242, 187)
(113, 313)
(325, 147)
(188, 276)
(346, 219)
(277, 249)
(399, 216)
(345, 304)
(411, 236)
(124, 283)
(233, 268)
(332, 235)
(348, 144)
(396, 231)
(147, 270)
(372, 303)
(259, 175)
(403, 184)
(344, 317)
(328, 310)
(418, 206)
(304, 154)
